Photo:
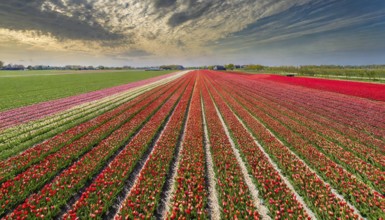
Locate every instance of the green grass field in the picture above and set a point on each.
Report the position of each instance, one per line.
(21, 88)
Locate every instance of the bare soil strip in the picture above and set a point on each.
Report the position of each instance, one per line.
(215, 212)
(164, 206)
(132, 179)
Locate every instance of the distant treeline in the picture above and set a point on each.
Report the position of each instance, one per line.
(171, 67)
(367, 71)
(67, 67)
(80, 67)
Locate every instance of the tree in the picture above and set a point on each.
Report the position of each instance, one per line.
(1, 64)
(256, 67)
(229, 66)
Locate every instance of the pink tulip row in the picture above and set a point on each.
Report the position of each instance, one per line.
(101, 194)
(17, 189)
(344, 134)
(341, 108)
(20, 162)
(355, 141)
(301, 127)
(345, 109)
(19, 138)
(24, 114)
(234, 195)
(190, 196)
(352, 162)
(373, 107)
(144, 198)
(324, 127)
(367, 201)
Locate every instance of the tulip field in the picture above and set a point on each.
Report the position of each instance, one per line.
(199, 144)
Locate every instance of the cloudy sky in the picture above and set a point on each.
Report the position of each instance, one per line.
(192, 32)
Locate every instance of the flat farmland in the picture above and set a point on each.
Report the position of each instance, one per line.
(199, 145)
(20, 88)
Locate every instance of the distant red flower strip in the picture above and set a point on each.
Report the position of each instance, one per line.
(360, 89)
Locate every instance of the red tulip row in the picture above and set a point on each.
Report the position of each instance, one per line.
(144, 198)
(20, 162)
(100, 195)
(367, 201)
(189, 199)
(370, 174)
(359, 89)
(17, 189)
(316, 193)
(234, 195)
(282, 202)
(310, 100)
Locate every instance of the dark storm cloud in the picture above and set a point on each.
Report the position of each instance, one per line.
(164, 3)
(22, 15)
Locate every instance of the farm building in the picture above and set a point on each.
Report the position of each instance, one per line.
(218, 67)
